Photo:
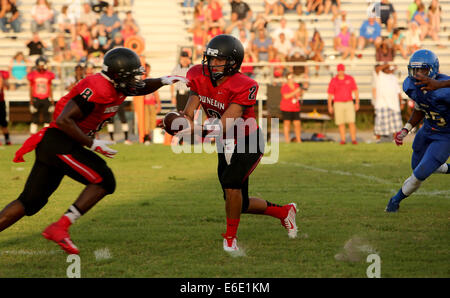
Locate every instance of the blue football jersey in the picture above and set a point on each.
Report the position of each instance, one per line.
(435, 104)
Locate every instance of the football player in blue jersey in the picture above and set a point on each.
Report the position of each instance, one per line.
(431, 147)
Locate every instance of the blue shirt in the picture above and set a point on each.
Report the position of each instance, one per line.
(435, 104)
(370, 31)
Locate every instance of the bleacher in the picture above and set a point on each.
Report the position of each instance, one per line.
(163, 25)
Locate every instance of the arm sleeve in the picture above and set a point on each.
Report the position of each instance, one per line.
(191, 76)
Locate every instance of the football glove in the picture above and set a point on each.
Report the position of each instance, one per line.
(169, 80)
(400, 135)
(33, 109)
(101, 147)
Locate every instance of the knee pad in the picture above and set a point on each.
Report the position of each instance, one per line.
(108, 181)
(411, 185)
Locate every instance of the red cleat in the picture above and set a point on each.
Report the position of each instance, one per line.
(59, 233)
(289, 221)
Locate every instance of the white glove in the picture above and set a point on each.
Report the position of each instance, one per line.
(228, 149)
(51, 108)
(33, 109)
(169, 80)
(100, 146)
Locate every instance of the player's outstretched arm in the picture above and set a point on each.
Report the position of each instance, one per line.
(151, 85)
(430, 84)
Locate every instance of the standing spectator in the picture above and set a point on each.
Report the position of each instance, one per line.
(41, 94)
(36, 47)
(332, 5)
(290, 105)
(388, 16)
(18, 68)
(397, 39)
(412, 38)
(42, 16)
(178, 91)
(290, 6)
(369, 33)
(314, 6)
(9, 14)
(340, 102)
(242, 9)
(111, 21)
(152, 107)
(316, 46)
(3, 122)
(385, 51)
(271, 6)
(388, 103)
(262, 45)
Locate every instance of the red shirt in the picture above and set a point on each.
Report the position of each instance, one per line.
(238, 88)
(4, 75)
(40, 83)
(342, 89)
(289, 104)
(96, 89)
(150, 99)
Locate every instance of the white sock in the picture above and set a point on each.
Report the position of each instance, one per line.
(411, 185)
(443, 169)
(73, 214)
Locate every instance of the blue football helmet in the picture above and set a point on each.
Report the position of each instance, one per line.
(423, 59)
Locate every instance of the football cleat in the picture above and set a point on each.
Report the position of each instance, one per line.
(60, 234)
(289, 221)
(392, 206)
(230, 244)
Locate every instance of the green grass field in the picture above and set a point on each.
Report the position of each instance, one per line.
(167, 215)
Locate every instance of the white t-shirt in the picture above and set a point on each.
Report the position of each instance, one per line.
(388, 89)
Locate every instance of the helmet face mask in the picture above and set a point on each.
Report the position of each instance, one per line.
(423, 62)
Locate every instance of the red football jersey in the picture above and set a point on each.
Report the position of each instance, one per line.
(96, 89)
(238, 88)
(40, 83)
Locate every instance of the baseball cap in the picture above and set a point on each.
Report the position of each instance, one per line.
(341, 67)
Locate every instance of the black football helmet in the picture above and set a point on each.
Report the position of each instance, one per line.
(123, 67)
(225, 47)
(41, 64)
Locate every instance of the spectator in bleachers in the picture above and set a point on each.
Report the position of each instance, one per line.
(398, 41)
(200, 12)
(424, 24)
(89, 17)
(85, 33)
(129, 29)
(77, 76)
(42, 16)
(301, 36)
(339, 19)
(301, 72)
(95, 53)
(290, 6)
(18, 69)
(198, 39)
(248, 70)
(412, 38)
(385, 51)
(282, 45)
(242, 9)
(388, 16)
(77, 48)
(277, 69)
(332, 5)
(214, 13)
(130, 18)
(316, 47)
(188, 3)
(235, 27)
(66, 66)
(412, 8)
(213, 31)
(99, 32)
(283, 28)
(262, 45)
(117, 41)
(36, 47)
(65, 21)
(369, 33)
(344, 43)
(314, 6)
(290, 106)
(111, 21)
(9, 15)
(245, 40)
(271, 6)
(259, 22)
(434, 15)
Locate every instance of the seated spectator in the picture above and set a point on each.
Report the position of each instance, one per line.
(278, 69)
(301, 72)
(65, 68)
(111, 21)
(290, 6)
(36, 47)
(283, 28)
(332, 5)
(316, 47)
(99, 32)
(59, 45)
(75, 77)
(343, 44)
(271, 6)
(77, 48)
(65, 22)
(214, 13)
(213, 31)
(85, 33)
(314, 6)
(95, 53)
(235, 28)
(434, 15)
(200, 12)
(242, 9)
(42, 16)
(89, 17)
(282, 46)
(9, 15)
(129, 29)
(117, 41)
(301, 36)
(246, 41)
(412, 8)
(339, 19)
(369, 33)
(199, 39)
(248, 70)
(397, 40)
(385, 51)
(425, 29)
(388, 16)
(129, 18)
(262, 45)
(18, 69)
(412, 38)
(260, 22)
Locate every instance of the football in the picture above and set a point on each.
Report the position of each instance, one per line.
(174, 122)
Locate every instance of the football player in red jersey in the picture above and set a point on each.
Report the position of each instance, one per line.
(228, 98)
(60, 149)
